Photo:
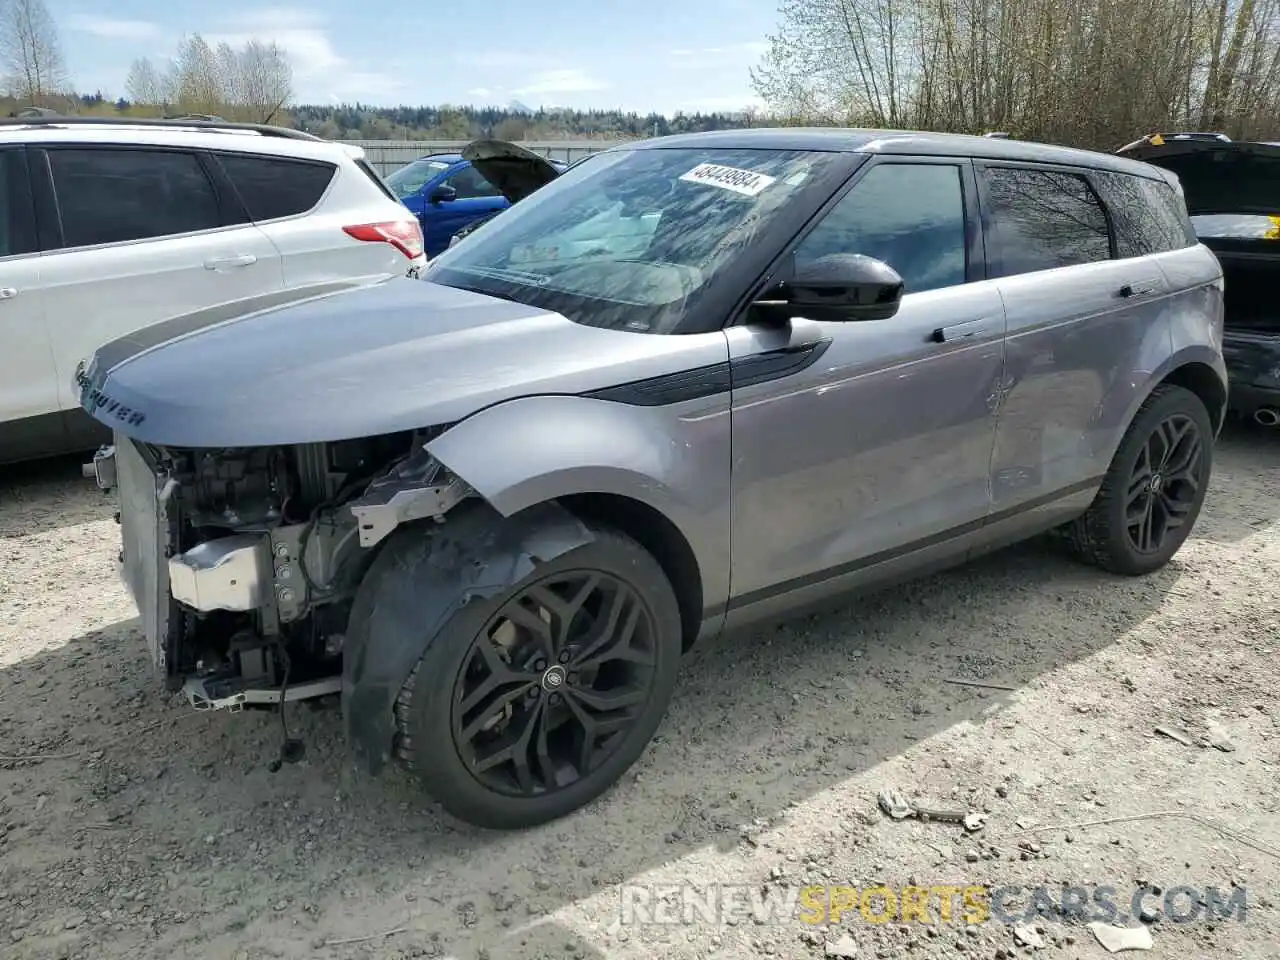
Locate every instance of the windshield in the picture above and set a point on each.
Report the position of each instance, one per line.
(410, 178)
(633, 240)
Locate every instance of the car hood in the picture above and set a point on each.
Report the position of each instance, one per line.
(398, 355)
(515, 171)
(1217, 176)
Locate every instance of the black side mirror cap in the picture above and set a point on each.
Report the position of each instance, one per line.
(443, 194)
(838, 287)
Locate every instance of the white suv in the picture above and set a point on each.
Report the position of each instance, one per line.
(108, 227)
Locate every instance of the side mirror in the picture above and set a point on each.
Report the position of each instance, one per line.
(840, 287)
(443, 194)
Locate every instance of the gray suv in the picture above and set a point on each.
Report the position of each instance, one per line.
(694, 383)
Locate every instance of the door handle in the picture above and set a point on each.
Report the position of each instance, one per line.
(1136, 290)
(219, 263)
(962, 331)
(8, 293)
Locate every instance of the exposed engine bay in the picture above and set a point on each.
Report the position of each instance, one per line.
(245, 562)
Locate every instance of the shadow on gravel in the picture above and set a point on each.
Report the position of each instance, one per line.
(170, 822)
(45, 495)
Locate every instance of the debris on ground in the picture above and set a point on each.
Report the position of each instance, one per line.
(973, 822)
(1176, 733)
(1025, 935)
(895, 804)
(1116, 939)
(844, 949)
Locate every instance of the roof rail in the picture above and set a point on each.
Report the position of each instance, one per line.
(996, 135)
(188, 123)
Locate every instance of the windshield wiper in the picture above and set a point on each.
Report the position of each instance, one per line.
(518, 276)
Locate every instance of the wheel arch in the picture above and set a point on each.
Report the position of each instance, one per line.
(660, 536)
(1205, 383)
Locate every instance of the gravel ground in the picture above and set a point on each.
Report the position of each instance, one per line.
(137, 828)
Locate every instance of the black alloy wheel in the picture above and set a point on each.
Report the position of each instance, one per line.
(1164, 483)
(1154, 488)
(553, 682)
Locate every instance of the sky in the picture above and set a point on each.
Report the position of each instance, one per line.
(655, 55)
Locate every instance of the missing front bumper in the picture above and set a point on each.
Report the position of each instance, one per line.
(218, 694)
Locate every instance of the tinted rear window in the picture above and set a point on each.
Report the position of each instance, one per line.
(1044, 219)
(273, 187)
(1148, 216)
(110, 195)
(17, 222)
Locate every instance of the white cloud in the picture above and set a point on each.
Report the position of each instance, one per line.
(483, 93)
(316, 63)
(109, 28)
(559, 81)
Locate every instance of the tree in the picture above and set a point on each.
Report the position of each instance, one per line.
(265, 81)
(1094, 73)
(145, 84)
(30, 54)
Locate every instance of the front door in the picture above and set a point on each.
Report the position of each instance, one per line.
(874, 447)
(476, 197)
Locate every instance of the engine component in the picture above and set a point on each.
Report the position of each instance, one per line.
(222, 574)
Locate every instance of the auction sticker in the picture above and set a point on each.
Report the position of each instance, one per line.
(746, 182)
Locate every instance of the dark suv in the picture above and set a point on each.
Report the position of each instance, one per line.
(687, 385)
(1233, 195)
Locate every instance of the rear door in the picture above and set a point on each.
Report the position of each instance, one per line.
(143, 234)
(289, 200)
(28, 378)
(1081, 321)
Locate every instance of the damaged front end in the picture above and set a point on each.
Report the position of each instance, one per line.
(244, 562)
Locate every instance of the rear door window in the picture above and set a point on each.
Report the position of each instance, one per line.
(17, 220)
(275, 187)
(1041, 219)
(113, 195)
(1148, 215)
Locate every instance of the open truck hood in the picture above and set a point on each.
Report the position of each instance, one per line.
(515, 171)
(1218, 176)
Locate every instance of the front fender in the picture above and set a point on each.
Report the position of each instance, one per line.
(674, 458)
(419, 580)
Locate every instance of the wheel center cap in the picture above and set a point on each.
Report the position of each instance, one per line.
(554, 678)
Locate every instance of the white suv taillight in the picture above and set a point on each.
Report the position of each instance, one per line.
(404, 235)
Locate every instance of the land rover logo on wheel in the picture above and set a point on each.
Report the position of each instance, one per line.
(553, 679)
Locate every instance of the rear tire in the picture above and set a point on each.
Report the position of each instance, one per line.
(520, 675)
(1154, 489)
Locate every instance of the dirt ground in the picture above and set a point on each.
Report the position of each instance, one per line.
(136, 828)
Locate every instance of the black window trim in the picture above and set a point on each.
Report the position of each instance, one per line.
(215, 160)
(21, 169)
(994, 263)
(230, 214)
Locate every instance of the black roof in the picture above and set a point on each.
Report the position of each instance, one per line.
(909, 142)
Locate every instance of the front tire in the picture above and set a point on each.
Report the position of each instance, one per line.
(1154, 489)
(532, 703)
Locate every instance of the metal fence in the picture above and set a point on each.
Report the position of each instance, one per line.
(388, 155)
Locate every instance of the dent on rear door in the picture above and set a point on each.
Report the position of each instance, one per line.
(1077, 350)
